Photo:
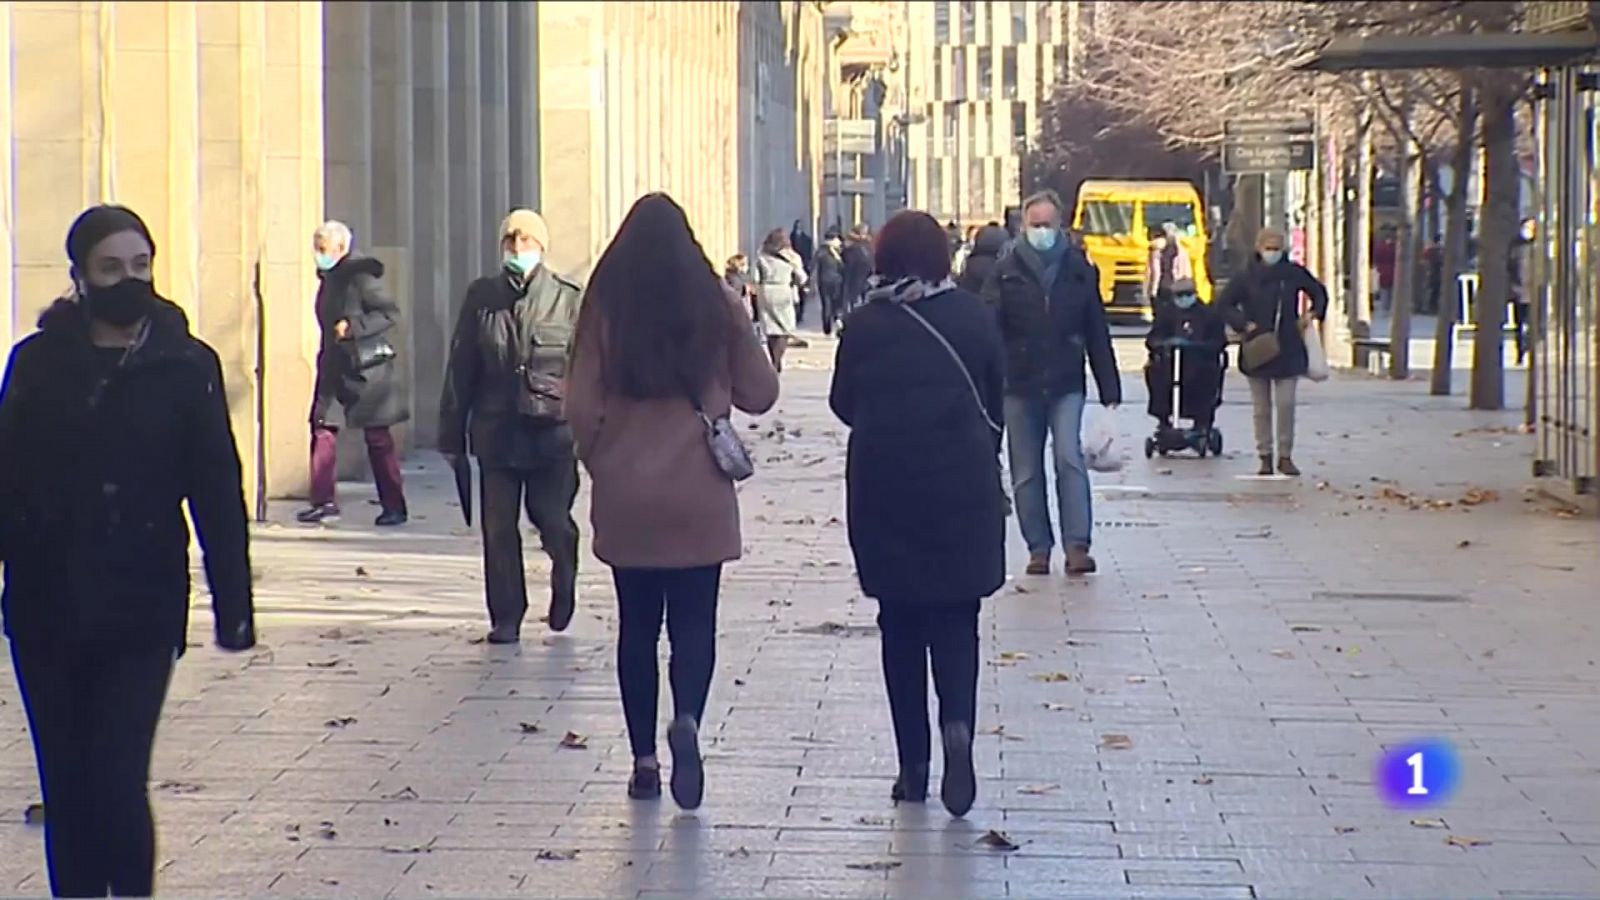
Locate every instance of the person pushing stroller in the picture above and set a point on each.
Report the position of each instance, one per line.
(1187, 342)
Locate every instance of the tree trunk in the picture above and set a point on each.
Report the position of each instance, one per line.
(1361, 237)
(1499, 226)
(1412, 170)
(1455, 244)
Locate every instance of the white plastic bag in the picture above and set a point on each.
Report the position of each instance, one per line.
(1100, 451)
(1316, 354)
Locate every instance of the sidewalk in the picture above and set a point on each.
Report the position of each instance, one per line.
(1229, 677)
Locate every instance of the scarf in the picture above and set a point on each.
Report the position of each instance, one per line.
(906, 290)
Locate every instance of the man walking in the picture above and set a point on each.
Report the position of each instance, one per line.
(828, 276)
(503, 392)
(1047, 296)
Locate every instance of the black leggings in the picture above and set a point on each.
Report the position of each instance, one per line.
(688, 600)
(914, 631)
(93, 710)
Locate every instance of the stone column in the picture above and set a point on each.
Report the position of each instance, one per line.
(392, 231)
(494, 82)
(431, 284)
(570, 158)
(347, 116)
(10, 326)
(523, 99)
(465, 146)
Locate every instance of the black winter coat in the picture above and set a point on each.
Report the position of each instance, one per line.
(829, 269)
(857, 257)
(99, 451)
(507, 325)
(344, 395)
(1049, 341)
(925, 505)
(1266, 295)
(986, 250)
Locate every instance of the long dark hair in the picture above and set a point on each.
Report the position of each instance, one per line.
(659, 305)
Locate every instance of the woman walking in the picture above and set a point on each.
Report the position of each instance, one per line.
(1265, 305)
(779, 278)
(919, 379)
(112, 416)
(664, 511)
(358, 383)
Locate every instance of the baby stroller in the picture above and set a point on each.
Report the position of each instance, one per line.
(1188, 356)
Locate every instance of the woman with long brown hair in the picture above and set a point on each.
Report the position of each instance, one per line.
(663, 354)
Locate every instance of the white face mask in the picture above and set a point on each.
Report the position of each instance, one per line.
(1271, 257)
(1043, 237)
(1184, 301)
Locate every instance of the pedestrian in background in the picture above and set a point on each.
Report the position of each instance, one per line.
(919, 379)
(736, 275)
(1167, 264)
(828, 276)
(1520, 263)
(358, 383)
(1047, 295)
(1274, 298)
(664, 511)
(804, 246)
(857, 266)
(987, 246)
(779, 278)
(112, 417)
(504, 387)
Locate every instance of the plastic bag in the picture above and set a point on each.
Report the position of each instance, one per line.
(1100, 451)
(1316, 354)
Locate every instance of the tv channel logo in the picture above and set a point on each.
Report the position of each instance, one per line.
(1418, 774)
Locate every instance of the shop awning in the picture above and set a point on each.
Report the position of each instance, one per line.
(1452, 51)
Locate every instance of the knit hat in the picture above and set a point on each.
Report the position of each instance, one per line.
(528, 222)
(97, 223)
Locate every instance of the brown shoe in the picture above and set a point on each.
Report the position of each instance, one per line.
(1266, 467)
(1079, 562)
(1039, 564)
(1287, 467)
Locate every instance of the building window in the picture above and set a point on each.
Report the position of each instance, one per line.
(958, 73)
(951, 113)
(939, 91)
(1019, 122)
(1008, 73)
(1040, 81)
(1019, 22)
(978, 201)
(941, 22)
(936, 187)
(972, 129)
(1047, 22)
(985, 73)
(999, 183)
(1063, 62)
(969, 22)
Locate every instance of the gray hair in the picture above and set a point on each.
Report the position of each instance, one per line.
(1044, 196)
(334, 232)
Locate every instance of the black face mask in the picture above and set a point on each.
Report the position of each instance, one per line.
(121, 304)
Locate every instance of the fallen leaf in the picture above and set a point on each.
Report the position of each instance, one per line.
(1283, 654)
(998, 840)
(557, 855)
(1052, 677)
(1488, 654)
(1427, 823)
(341, 722)
(530, 727)
(405, 793)
(1056, 707)
(1463, 544)
(1015, 655)
(1021, 589)
(361, 572)
(1345, 829)
(873, 820)
(739, 852)
(1305, 629)
(33, 814)
(1456, 840)
(327, 664)
(1116, 742)
(1359, 675)
(179, 787)
(407, 850)
(1037, 789)
(1154, 596)
(574, 741)
(877, 865)
(326, 831)
(1136, 679)
(1203, 779)
(1074, 642)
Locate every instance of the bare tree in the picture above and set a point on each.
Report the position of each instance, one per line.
(1451, 296)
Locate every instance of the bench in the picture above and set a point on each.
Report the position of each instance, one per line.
(1374, 353)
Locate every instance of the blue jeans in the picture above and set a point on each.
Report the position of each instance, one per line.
(1028, 421)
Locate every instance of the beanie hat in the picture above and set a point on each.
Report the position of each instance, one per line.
(528, 222)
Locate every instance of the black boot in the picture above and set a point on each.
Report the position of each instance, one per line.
(960, 786)
(912, 785)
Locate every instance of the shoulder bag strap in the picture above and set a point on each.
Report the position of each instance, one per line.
(976, 395)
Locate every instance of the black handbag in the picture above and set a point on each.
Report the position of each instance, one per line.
(370, 352)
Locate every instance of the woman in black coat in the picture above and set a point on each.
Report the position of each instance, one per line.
(926, 508)
(358, 382)
(112, 416)
(1267, 297)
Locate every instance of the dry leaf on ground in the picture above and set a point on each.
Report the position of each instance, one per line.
(405, 793)
(1305, 629)
(1456, 840)
(179, 787)
(33, 814)
(1427, 823)
(1037, 789)
(1014, 655)
(1052, 677)
(1116, 742)
(1204, 780)
(529, 727)
(1055, 707)
(998, 840)
(340, 722)
(557, 855)
(326, 831)
(361, 572)
(1345, 829)
(1283, 654)
(877, 865)
(1137, 679)
(574, 741)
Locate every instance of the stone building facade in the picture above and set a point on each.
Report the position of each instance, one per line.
(234, 128)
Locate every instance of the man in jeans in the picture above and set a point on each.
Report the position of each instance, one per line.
(1046, 294)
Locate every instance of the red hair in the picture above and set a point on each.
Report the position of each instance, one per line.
(912, 245)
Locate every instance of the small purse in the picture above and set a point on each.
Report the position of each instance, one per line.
(371, 352)
(722, 439)
(1260, 349)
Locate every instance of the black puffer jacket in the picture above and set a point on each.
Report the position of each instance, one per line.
(986, 250)
(507, 325)
(352, 291)
(96, 461)
(1050, 335)
(1266, 296)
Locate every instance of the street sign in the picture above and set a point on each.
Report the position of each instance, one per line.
(856, 186)
(1269, 124)
(1265, 156)
(858, 136)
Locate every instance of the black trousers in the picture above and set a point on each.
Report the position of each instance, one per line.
(93, 710)
(832, 295)
(1198, 373)
(546, 492)
(913, 632)
(687, 598)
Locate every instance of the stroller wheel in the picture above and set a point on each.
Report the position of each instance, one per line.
(1214, 439)
(1149, 447)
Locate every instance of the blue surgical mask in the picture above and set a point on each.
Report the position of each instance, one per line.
(524, 262)
(1271, 257)
(1184, 301)
(1043, 237)
(324, 261)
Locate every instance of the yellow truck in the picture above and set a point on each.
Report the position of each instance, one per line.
(1115, 218)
